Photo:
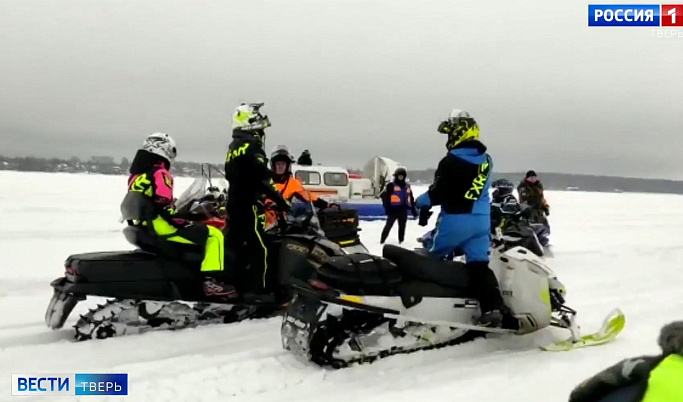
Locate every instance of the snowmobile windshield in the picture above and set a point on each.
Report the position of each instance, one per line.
(200, 187)
(195, 191)
(303, 214)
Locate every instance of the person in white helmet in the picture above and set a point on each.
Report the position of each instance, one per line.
(150, 176)
(251, 182)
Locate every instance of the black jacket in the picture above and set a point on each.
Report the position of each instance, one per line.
(246, 169)
(305, 160)
(457, 186)
(631, 373)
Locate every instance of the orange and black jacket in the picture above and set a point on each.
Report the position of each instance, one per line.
(289, 187)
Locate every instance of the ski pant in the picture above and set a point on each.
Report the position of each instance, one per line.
(245, 235)
(393, 215)
(205, 236)
(469, 233)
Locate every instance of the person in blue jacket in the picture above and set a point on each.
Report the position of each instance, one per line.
(461, 187)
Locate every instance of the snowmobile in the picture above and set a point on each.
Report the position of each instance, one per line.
(158, 286)
(359, 308)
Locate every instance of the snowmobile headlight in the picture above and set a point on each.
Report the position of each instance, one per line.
(557, 286)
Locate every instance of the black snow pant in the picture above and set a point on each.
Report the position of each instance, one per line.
(245, 236)
(400, 215)
(486, 285)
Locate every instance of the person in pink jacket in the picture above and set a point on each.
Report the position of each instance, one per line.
(150, 175)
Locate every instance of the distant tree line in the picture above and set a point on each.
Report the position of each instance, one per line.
(96, 164)
(551, 181)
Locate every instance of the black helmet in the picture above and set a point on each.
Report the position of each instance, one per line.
(281, 154)
(401, 171)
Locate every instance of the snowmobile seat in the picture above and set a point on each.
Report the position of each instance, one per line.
(426, 268)
(148, 241)
(127, 266)
(139, 211)
(361, 273)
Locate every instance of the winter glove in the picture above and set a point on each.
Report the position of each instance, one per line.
(282, 205)
(425, 214)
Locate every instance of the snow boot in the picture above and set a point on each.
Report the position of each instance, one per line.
(218, 292)
(491, 319)
(490, 299)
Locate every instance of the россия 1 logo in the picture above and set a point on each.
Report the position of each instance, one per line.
(635, 15)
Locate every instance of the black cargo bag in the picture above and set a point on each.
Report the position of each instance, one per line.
(339, 225)
(361, 274)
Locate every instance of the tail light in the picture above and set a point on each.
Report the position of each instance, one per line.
(316, 284)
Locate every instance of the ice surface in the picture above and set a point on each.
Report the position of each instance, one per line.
(611, 250)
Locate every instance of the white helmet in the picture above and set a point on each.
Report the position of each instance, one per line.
(457, 114)
(161, 144)
(248, 117)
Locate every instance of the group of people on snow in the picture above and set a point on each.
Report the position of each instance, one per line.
(461, 187)
(254, 183)
(258, 183)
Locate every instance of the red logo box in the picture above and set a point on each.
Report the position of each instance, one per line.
(672, 15)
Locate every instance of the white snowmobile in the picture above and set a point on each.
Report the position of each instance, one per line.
(360, 308)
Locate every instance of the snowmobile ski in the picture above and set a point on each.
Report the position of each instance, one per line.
(612, 326)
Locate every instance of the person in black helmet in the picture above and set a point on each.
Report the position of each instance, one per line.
(398, 199)
(504, 205)
(246, 169)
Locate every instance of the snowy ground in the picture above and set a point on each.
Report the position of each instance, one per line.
(611, 250)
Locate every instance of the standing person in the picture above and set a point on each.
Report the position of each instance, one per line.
(246, 169)
(150, 176)
(640, 379)
(305, 159)
(461, 187)
(536, 207)
(531, 193)
(397, 198)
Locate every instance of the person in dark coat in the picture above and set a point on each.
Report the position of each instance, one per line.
(398, 199)
(531, 193)
(305, 159)
(640, 379)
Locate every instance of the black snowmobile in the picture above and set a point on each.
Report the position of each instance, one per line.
(158, 286)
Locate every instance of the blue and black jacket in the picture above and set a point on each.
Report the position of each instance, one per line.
(461, 181)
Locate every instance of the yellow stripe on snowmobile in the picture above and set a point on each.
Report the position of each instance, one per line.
(341, 243)
(354, 299)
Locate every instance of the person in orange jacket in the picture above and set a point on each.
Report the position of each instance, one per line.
(287, 185)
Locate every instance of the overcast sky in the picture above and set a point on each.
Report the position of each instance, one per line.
(347, 79)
